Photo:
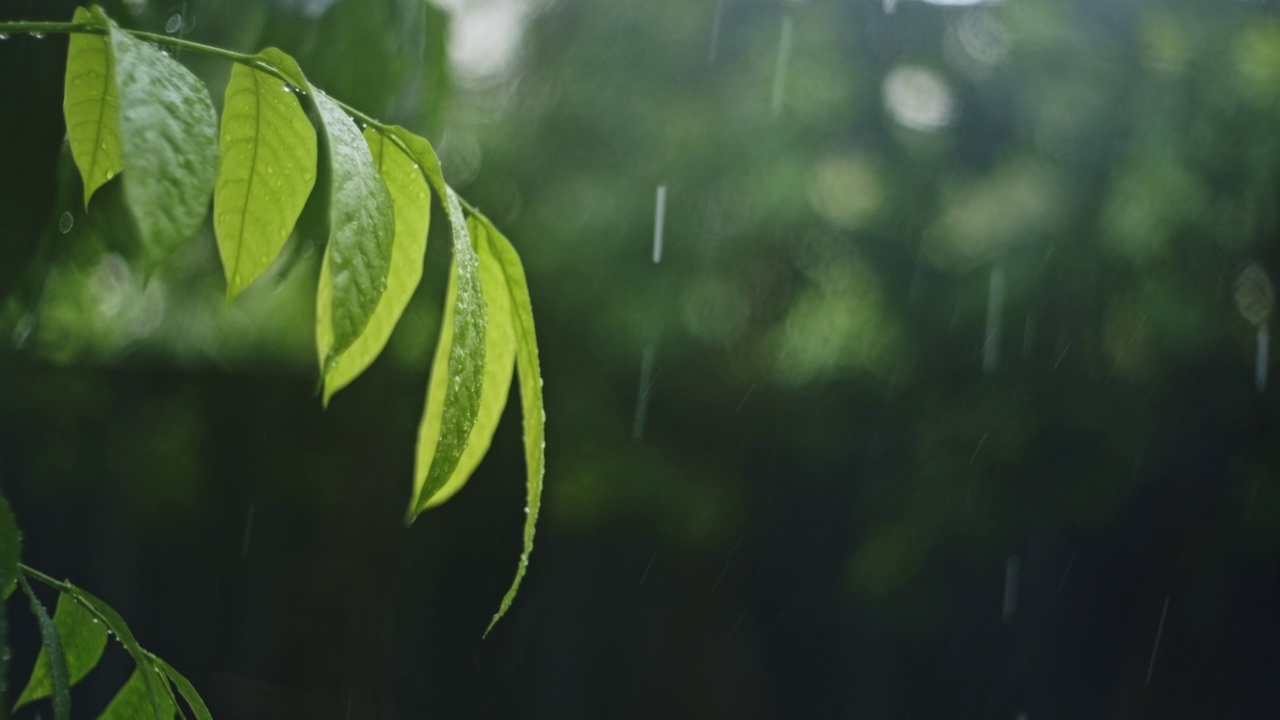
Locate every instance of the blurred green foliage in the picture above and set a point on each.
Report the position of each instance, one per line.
(819, 429)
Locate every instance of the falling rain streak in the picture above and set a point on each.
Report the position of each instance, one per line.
(1155, 648)
(714, 47)
(1255, 299)
(642, 398)
(659, 220)
(784, 59)
(995, 313)
(248, 531)
(1011, 567)
(1263, 358)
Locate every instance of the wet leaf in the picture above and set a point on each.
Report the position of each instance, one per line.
(412, 205)
(169, 143)
(266, 171)
(531, 407)
(132, 702)
(152, 686)
(187, 690)
(361, 231)
(499, 364)
(55, 660)
(83, 639)
(91, 107)
(453, 396)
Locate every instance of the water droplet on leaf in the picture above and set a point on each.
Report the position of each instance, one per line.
(174, 24)
(66, 222)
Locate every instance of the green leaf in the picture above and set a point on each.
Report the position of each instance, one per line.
(91, 107)
(535, 418)
(133, 700)
(459, 366)
(153, 687)
(55, 660)
(361, 230)
(10, 549)
(187, 689)
(10, 557)
(499, 364)
(412, 205)
(83, 639)
(169, 142)
(266, 170)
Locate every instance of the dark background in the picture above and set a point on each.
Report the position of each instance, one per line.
(809, 465)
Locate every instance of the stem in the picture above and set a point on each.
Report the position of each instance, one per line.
(252, 61)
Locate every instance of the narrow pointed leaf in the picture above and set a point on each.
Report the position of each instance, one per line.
(461, 351)
(187, 690)
(55, 660)
(266, 170)
(133, 700)
(361, 230)
(10, 557)
(10, 549)
(412, 205)
(155, 692)
(535, 418)
(83, 639)
(91, 107)
(499, 364)
(169, 142)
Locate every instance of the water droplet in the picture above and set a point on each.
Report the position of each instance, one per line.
(22, 330)
(526, 509)
(4, 36)
(271, 169)
(38, 35)
(110, 173)
(66, 222)
(174, 24)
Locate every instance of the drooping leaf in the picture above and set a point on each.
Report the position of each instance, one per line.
(83, 639)
(169, 143)
(361, 230)
(133, 700)
(55, 660)
(187, 690)
(461, 350)
(266, 170)
(535, 418)
(10, 549)
(10, 557)
(412, 203)
(152, 687)
(91, 107)
(499, 365)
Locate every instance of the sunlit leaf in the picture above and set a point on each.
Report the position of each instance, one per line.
(132, 701)
(535, 418)
(499, 363)
(90, 106)
(187, 689)
(412, 202)
(361, 230)
(169, 141)
(55, 660)
(460, 351)
(266, 170)
(83, 639)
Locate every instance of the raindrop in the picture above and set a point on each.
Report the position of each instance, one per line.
(174, 24)
(642, 399)
(22, 330)
(1156, 646)
(1255, 299)
(38, 35)
(715, 33)
(4, 36)
(659, 219)
(995, 312)
(784, 59)
(248, 529)
(1011, 567)
(65, 223)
